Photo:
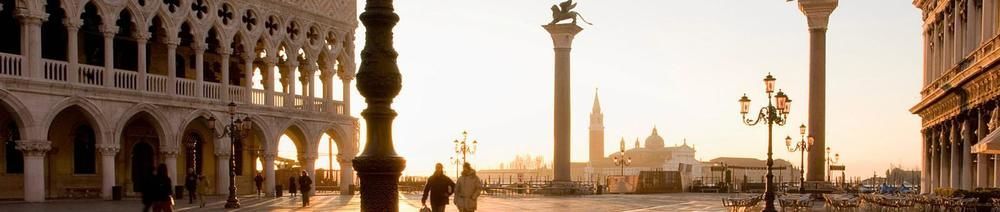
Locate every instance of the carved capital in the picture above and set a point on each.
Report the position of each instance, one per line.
(29, 17)
(562, 34)
(817, 12)
(268, 156)
(308, 157)
(169, 152)
(73, 24)
(33, 147)
(108, 150)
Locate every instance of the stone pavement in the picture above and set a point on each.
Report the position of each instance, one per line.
(409, 202)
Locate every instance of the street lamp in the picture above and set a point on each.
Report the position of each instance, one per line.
(463, 148)
(802, 146)
(773, 113)
(834, 160)
(621, 160)
(236, 129)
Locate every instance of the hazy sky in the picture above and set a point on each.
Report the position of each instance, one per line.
(487, 67)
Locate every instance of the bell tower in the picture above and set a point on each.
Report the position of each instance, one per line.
(596, 131)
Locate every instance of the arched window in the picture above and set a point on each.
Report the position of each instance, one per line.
(84, 151)
(14, 158)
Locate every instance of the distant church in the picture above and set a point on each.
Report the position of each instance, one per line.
(653, 155)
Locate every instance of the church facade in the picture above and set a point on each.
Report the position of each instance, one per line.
(95, 93)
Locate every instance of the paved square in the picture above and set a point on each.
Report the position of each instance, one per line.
(410, 202)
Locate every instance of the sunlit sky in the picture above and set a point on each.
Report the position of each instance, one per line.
(486, 67)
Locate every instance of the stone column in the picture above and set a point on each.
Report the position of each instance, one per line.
(34, 168)
(31, 42)
(72, 50)
(945, 144)
(346, 174)
(170, 159)
(925, 161)
(222, 167)
(326, 77)
(989, 12)
(268, 75)
(107, 169)
(269, 173)
(562, 40)
(817, 14)
(172, 65)
(379, 81)
(308, 87)
(109, 55)
(347, 94)
(982, 164)
(935, 166)
(224, 53)
(291, 65)
(248, 59)
(199, 68)
(956, 154)
(140, 41)
(967, 137)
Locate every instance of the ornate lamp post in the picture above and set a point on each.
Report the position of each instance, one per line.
(773, 113)
(462, 149)
(802, 146)
(237, 129)
(621, 160)
(834, 160)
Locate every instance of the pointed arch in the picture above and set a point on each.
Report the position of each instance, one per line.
(21, 115)
(90, 110)
(160, 122)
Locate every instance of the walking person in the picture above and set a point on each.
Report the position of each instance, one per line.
(202, 189)
(467, 189)
(292, 189)
(305, 185)
(259, 182)
(191, 184)
(439, 187)
(162, 190)
(145, 186)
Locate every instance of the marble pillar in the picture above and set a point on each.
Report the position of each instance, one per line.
(34, 168)
(107, 170)
(982, 164)
(956, 155)
(817, 14)
(269, 177)
(346, 176)
(966, 151)
(935, 167)
(925, 162)
(562, 40)
(109, 55)
(223, 152)
(72, 50)
(945, 144)
(170, 159)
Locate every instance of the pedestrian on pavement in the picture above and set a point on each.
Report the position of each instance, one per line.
(467, 189)
(259, 182)
(305, 185)
(439, 187)
(292, 189)
(191, 184)
(162, 190)
(202, 189)
(145, 186)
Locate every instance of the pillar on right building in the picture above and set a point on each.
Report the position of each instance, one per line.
(817, 15)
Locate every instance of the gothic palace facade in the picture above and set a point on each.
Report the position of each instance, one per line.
(93, 93)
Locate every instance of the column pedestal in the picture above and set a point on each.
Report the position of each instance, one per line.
(562, 40)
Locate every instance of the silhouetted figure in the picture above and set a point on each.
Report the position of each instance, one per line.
(259, 182)
(161, 190)
(467, 189)
(305, 185)
(438, 187)
(145, 187)
(292, 189)
(191, 184)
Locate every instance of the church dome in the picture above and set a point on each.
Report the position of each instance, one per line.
(654, 141)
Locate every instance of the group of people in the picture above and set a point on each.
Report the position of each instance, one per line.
(301, 185)
(439, 187)
(158, 194)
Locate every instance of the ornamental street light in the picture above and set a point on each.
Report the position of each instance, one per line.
(463, 149)
(802, 146)
(237, 129)
(621, 160)
(834, 160)
(773, 113)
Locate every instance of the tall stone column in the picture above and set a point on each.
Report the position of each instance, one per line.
(140, 41)
(817, 14)
(935, 166)
(562, 40)
(989, 20)
(170, 159)
(982, 160)
(269, 180)
(172, 65)
(943, 180)
(31, 41)
(199, 69)
(925, 162)
(109, 55)
(379, 81)
(224, 53)
(222, 155)
(107, 169)
(967, 137)
(34, 168)
(346, 175)
(72, 50)
(347, 94)
(956, 155)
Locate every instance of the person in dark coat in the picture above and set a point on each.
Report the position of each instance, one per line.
(162, 190)
(439, 187)
(145, 185)
(292, 188)
(305, 185)
(191, 184)
(259, 182)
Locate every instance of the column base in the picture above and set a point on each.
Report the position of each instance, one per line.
(379, 178)
(822, 187)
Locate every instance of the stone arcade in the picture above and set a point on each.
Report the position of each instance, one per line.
(95, 92)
